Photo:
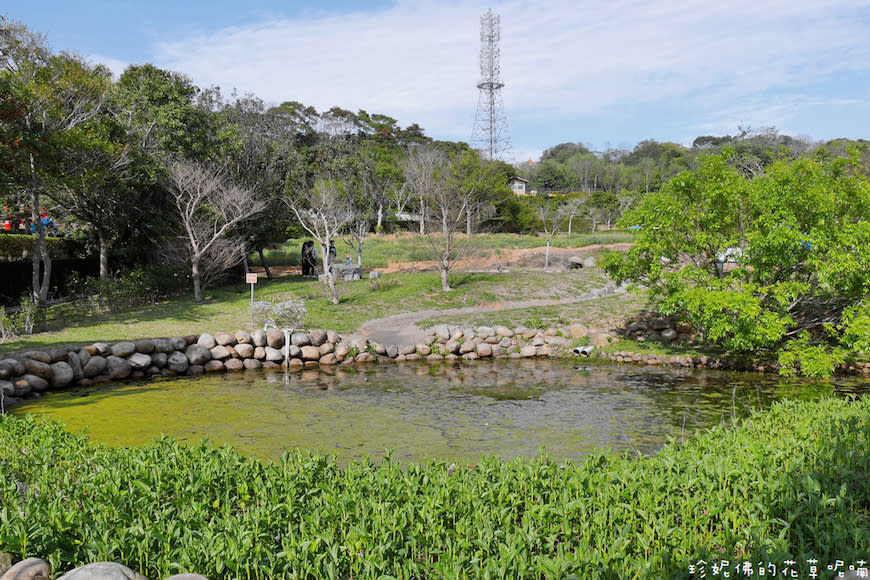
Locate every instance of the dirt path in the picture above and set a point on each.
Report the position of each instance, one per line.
(401, 329)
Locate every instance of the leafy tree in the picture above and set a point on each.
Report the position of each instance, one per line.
(800, 238)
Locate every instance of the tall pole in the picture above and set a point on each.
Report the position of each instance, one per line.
(490, 133)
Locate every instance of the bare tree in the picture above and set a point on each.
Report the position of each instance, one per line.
(420, 168)
(323, 211)
(452, 186)
(552, 220)
(208, 207)
(570, 209)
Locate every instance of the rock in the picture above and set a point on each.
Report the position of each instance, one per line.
(177, 362)
(408, 349)
(37, 355)
(36, 383)
(75, 364)
(62, 374)
(484, 331)
(294, 351)
(225, 339)
(528, 351)
(214, 366)
(588, 262)
(7, 389)
(503, 331)
(245, 350)
(11, 367)
(310, 353)
(186, 577)
(326, 348)
(467, 346)
(543, 351)
(95, 366)
(29, 569)
(484, 349)
(468, 333)
(21, 387)
(317, 337)
(574, 262)
(274, 338)
(194, 370)
(260, 353)
(258, 338)
(252, 364)
(37, 367)
(557, 341)
(198, 354)
(117, 367)
(601, 340)
(374, 274)
(341, 351)
(162, 345)
(158, 359)
(234, 364)
(123, 349)
(332, 336)
(361, 343)
(144, 346)
(206, 340)
(242, 337)
(329, 359)
(451, 346)
(139, 361)
(441, 331)
(434, 356)
(669, 334)
(578, 330)
(102, 571)
(659, 323)
(365, 357)
(422, 349)
(300, 339)
(274, 355)
(57, 354)
(470, 356)
(178, 343)
(221, 352)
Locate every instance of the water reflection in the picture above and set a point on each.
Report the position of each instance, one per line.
(457, 411)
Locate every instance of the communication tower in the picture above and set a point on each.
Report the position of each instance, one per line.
(490, 132)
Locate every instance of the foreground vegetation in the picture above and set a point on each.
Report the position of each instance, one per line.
(789, 484)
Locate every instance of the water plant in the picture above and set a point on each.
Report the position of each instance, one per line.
(788, 484)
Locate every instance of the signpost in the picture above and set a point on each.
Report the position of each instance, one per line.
(251, 278)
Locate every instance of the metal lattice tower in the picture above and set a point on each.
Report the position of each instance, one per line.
(490, 133)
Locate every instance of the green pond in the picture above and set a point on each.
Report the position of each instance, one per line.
(415, 410)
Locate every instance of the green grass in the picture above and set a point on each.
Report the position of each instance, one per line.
(380, 251)
(227, 308)
(788, 484)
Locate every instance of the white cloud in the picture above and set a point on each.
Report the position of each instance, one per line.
(418, 60)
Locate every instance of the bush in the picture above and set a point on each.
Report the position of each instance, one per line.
(788, 484)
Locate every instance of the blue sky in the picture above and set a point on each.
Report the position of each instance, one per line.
(607, 74)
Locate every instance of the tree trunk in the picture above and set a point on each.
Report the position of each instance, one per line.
(41, 260)
(104, 256)
(327, 272)
(263, 262)
(422, 217)
(468, 220)
(547, 255)
(194, 273)
(380, 224)
(570, 219)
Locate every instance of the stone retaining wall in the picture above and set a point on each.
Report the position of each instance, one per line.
(29, 373)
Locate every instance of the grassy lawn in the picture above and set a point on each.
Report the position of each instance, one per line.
(380, 251)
